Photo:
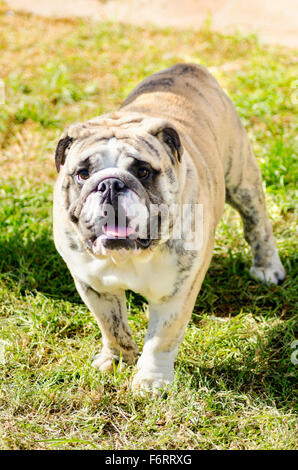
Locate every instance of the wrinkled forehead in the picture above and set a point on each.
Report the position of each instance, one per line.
(113, 152)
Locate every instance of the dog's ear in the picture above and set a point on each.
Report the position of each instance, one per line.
(170, 137)
(62, 149)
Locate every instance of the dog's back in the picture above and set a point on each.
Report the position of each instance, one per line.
(190, 97)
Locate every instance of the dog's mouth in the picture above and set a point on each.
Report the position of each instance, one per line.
(118, 231)
(117, 238)
(125, 233)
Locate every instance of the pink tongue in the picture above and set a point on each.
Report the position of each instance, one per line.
(118, 232)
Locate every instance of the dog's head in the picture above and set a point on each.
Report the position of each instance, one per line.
(121, 173)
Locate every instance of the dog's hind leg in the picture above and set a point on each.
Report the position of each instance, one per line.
(244, 192)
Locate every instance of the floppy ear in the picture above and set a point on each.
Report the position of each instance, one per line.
(61, 151)
(170, 137)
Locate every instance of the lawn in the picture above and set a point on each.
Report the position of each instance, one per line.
(235, 381)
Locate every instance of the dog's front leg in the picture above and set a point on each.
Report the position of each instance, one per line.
(166, 329)
(110, 313)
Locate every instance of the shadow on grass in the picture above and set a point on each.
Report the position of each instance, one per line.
(36, 266)
(29, 261)
(264, 370)
(228, 289)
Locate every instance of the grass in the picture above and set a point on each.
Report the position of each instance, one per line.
(235, 382)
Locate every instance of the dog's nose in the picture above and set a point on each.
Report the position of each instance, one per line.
(110, 187)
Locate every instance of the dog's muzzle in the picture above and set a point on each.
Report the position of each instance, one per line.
(108, 182)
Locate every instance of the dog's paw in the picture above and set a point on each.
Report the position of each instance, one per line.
(151, 382)
(104, 361)
(272, 273)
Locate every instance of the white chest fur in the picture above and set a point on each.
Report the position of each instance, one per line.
(154, 277)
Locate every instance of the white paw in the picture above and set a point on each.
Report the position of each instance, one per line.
(151, 382)
(272, 273)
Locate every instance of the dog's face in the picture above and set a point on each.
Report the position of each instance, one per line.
(121, 179)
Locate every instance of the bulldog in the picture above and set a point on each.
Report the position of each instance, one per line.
(124, 179)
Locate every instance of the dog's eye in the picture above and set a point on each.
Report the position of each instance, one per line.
(143, 173)
(82, 175)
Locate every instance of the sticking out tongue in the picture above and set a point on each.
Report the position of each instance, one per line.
(117, 231)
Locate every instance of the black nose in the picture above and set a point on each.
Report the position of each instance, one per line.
(110, 187)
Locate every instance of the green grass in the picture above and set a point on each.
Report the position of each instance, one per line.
(235, 382)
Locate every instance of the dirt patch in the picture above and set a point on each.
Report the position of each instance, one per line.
(275, 21)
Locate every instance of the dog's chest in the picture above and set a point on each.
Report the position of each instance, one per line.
(154, 278)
